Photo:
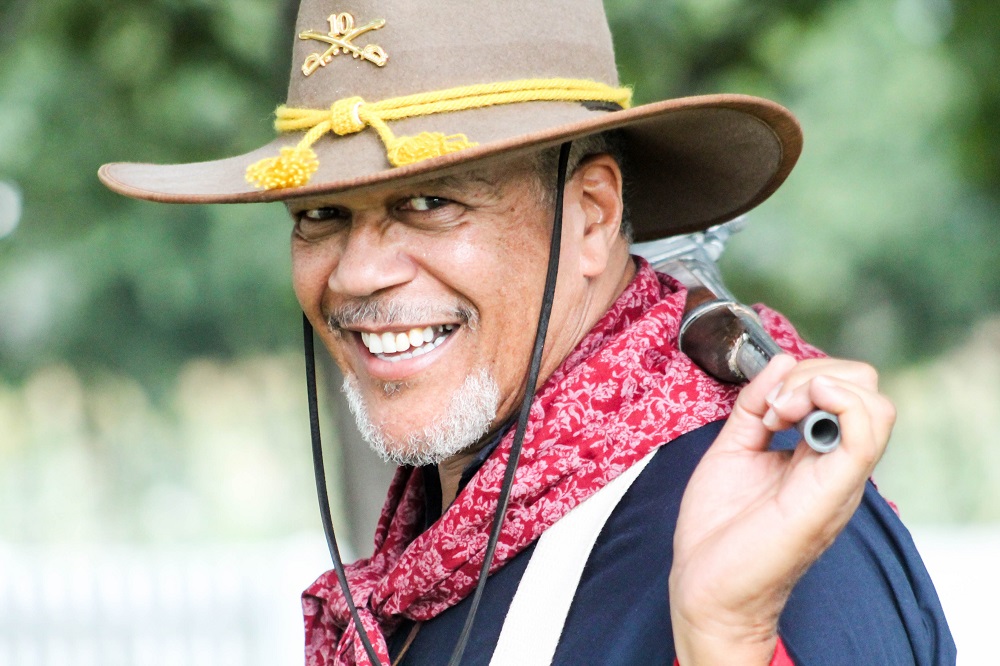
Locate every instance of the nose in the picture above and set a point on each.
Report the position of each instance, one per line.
(371, 259)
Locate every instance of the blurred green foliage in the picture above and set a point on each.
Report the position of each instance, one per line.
(113, 284)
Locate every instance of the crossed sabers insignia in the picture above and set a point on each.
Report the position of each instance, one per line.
(341, 35)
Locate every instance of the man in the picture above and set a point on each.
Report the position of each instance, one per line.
(420, 159)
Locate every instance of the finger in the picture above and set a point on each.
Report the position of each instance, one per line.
(866, 418)
(835, 481)
(790, 401)
(789, 407)
(744, 430)
(824, 486)
(855, 372)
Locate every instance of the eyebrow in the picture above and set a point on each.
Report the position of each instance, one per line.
(456, 181)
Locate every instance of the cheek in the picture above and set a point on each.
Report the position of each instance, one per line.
(472, 250)
(466, 255)
(310, 273)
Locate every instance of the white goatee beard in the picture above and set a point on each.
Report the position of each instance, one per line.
(467, 418)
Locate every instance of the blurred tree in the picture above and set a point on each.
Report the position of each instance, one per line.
(880, 245)
(974, 38)
(128, 286)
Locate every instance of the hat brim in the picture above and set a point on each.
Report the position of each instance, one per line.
(690, 162)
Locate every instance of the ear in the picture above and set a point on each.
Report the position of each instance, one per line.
(598, 184)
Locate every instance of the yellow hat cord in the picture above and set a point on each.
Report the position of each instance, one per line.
(296, 165)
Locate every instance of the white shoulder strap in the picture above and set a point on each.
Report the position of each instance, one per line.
(538, 612)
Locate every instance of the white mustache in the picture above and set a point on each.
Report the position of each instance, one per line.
(386, 312)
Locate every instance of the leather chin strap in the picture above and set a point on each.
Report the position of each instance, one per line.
(531, 384)
(321, 493)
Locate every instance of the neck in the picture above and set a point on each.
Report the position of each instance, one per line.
(450, 473)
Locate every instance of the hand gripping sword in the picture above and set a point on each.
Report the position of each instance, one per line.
(723, 336)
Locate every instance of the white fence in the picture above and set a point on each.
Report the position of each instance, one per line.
(217, 606)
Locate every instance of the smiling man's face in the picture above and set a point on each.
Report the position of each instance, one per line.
(427, 296)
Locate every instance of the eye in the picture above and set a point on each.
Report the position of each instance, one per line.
(424, 203)
(323, 214)
(315, 223)
(430, 213)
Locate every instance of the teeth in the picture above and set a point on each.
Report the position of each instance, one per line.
(389, 343)
(402, 346)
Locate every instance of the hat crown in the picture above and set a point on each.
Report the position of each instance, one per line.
(438, 44)
(392, 91)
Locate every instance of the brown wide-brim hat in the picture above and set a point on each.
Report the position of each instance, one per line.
(690, 163)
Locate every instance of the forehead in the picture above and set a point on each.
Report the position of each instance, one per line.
(490, 181)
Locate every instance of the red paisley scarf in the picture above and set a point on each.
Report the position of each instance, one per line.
(625, 390)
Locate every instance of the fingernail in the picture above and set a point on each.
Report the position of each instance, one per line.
(770, 419)
(774, 393)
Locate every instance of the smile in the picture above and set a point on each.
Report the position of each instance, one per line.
(399, 346)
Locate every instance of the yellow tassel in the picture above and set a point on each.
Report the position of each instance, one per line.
(411, 149)
(292, 168)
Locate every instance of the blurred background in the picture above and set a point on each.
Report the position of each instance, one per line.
(156, 501)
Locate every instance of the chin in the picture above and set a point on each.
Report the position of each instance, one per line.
(460, 424)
